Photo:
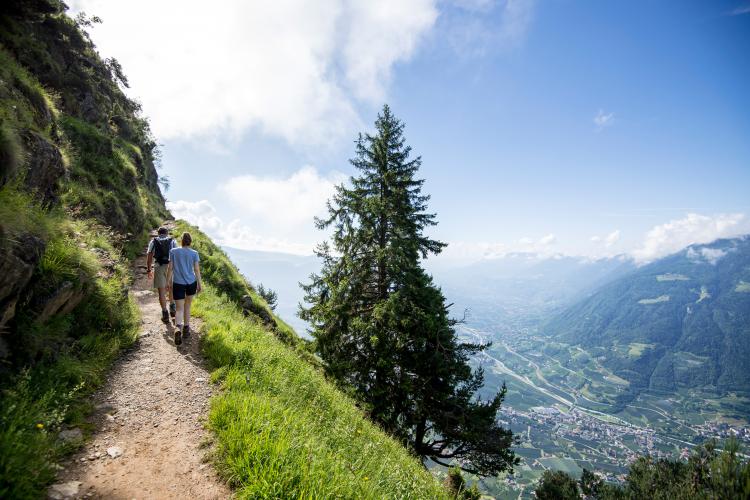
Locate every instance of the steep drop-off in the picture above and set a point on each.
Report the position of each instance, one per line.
(680, 322)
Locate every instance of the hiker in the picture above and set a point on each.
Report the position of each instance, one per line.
(186, 282)
(158, 250)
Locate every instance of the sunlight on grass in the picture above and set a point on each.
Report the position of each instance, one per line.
(286, 432)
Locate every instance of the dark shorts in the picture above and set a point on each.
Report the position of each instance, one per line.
(179, 291)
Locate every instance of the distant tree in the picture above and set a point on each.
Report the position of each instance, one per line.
(456, 485)
(707, 474)
(382, 326)
(269, 296)
(557, 485)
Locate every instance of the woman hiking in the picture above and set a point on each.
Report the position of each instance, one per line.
(186, 282)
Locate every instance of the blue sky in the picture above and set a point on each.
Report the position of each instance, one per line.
(578, 127)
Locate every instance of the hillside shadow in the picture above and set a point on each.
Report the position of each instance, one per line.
(190, 347)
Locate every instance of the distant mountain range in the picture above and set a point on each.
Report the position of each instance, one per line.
(526, 287)
(682, 321)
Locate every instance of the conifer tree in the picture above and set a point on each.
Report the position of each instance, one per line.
(382, 326)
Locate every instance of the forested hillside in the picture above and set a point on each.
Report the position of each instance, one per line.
(680, 322)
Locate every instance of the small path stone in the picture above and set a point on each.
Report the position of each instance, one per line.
(61, 491)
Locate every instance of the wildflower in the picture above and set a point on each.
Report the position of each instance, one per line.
(367, 478)
(40, 426)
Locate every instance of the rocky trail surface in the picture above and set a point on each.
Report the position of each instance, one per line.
(149, 439)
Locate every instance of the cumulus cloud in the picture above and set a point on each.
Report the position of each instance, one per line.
(200, 213)
(712, 255)
(548, 240)
(283, 201)
(694, 228)
(292, 69)
(603, 120)
(277, 212)
(234, 234)
(612, 238)
(608, 240)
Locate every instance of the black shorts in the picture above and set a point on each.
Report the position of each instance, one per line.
(179, 291)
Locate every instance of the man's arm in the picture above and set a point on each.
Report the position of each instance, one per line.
(149, 261)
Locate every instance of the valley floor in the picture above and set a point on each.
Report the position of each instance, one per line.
(149, 439)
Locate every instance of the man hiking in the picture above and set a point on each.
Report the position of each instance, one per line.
(158, 255)
(186, 282)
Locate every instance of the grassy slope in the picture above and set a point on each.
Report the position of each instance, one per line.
(53, 365)
(283, 430)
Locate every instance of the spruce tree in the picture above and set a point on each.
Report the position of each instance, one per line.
(382, 326)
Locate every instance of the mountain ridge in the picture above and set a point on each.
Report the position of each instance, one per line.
(687, 314)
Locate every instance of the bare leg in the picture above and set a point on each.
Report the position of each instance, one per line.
(162, 298)
(178, 319)
(188, 301)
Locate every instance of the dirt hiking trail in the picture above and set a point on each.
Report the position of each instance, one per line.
(149, 440)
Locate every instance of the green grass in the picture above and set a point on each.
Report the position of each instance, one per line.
(218, 270)
(635, 349)
(284, 431)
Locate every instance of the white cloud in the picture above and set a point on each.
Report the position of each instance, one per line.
(485, 25)
(694, 228)
(603, 120)
(612, 238)
(292, 69)
(200, 213)
(277, 212)
(548, 240)
(712, 255)
(284, 202)
(525, 241)
(607, 240)
(235, 233)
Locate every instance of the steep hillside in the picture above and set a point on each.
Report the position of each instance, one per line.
(680, 322)
(78, 188)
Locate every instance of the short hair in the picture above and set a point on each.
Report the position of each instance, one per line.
(186, 239)
(163, 230)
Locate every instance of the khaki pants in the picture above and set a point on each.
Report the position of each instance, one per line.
(160, 275)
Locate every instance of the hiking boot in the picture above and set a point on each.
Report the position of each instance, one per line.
(165, 316)
(173, 309)
(177, 336)
(186, 331)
